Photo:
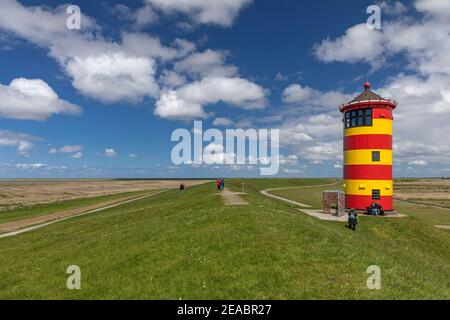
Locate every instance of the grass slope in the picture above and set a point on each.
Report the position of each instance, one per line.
(310, 195)
(194, 247)
(48, 208)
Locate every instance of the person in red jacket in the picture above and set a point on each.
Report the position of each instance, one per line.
(218, 184)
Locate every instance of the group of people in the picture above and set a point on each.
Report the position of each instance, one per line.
(375, 209)
(220, 184)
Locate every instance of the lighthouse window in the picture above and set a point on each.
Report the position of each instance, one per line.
(368, 115)
(347, 123)
(376, 156)
(358, 118)
(376, 194)
(360, 121)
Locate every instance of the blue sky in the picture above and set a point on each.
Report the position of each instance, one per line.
(103, 101)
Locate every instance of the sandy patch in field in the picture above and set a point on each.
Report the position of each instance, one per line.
(422, 195)
(28, 192)
(431, 182)
(232, 198)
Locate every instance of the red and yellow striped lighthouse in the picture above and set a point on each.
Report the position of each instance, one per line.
(368, 150)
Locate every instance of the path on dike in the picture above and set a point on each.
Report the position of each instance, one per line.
(232, 198)
(13, 228)
(316, 213)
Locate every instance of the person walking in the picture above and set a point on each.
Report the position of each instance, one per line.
(222, 184)
(218, 184)
(352, 219)
(182, 187)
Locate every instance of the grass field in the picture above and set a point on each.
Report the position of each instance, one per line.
(194, 247)
(28, 211)
(434, 192)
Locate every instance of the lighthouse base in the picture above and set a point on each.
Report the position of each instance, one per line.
(362, 203)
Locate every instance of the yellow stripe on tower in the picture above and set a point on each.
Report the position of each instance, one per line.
(380, 126)
(365, 157)
(365, 187)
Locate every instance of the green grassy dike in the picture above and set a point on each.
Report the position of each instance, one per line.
(194, 247)
(31, 211)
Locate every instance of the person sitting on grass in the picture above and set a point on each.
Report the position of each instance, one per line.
(380, 209)
(374, 209)
(352, 219)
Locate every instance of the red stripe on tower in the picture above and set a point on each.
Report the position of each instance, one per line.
(382, 113)
(368, 172)
(363, 202)
(368, 141)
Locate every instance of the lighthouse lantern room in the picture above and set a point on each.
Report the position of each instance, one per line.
(367, 123)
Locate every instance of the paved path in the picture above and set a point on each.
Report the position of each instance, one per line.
(322, 216)
(232, 198)
(266, 193)
(443, 227)
(17, 227)
(317, 213)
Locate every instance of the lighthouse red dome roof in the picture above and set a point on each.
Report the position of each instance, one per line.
(367, 94)
(367, 97)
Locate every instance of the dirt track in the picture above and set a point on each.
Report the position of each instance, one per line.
(16, 227)
(232, 198)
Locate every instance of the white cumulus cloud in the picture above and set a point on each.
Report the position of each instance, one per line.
(98, 67)
(209, 63)
(110, 153)
(188, 101)
(220, 121)
(358, 44)
(75, 149)
(297, 94)
(116, 77)
(32, 99)
(21, 141)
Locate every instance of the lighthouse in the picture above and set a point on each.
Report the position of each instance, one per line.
(368, 177)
